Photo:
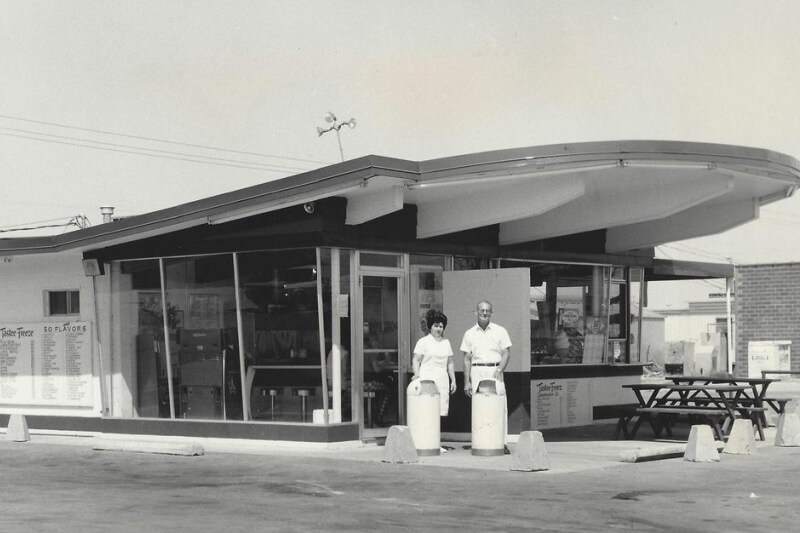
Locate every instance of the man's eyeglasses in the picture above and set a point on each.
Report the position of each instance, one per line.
(484, 311)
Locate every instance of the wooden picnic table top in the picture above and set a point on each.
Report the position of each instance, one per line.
(685, 387)
(709, 387)
(677, 395)
(710, 379)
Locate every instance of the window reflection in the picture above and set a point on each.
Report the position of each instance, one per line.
(281, 351)
(281, 334)
(579, 313)
(138, 315)
(201, 290)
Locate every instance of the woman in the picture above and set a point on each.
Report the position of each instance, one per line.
(433, 359)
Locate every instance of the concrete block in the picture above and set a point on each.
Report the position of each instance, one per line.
(701, 447)
(788, 430)
(792, 406)
(742, 439)
(399, 446)
(530, 454)
(17, 429)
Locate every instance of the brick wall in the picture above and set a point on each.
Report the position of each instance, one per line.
(767, 308)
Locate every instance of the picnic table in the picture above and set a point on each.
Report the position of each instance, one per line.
(715, 403)
(757, 394)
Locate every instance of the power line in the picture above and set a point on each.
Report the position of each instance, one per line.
(250, 167)
(79, 221)
(695, 251)
(140, 137)
(144, 149)
(33, 222)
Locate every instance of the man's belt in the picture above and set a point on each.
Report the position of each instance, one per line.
(485, 364)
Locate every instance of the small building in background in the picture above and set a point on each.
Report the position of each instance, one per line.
(696, 338)
(653, 334)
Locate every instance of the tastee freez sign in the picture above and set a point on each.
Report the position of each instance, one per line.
(46, 364)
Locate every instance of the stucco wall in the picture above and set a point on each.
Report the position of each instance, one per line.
(23, 280)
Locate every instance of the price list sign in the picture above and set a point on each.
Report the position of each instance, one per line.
(560, 403)
(46, 364)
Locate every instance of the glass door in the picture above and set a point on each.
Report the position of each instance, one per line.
(382, 376)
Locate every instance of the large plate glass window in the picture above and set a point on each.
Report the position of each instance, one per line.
(200, 294)
(142, 388)
(280, 325)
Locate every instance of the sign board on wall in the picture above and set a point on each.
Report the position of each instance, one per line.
(46, 364)
(508, 290)
(559, 403)
(768, 355)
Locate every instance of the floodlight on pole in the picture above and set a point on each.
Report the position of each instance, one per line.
(336, 126)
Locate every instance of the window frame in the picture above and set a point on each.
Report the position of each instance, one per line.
(72, 296)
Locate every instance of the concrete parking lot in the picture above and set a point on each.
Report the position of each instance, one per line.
(57, 483)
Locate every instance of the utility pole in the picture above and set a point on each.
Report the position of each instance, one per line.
(336, 126)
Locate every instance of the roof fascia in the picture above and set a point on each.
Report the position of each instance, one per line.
(342, 175)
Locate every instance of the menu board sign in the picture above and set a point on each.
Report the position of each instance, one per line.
(560, 403)
(46, 364)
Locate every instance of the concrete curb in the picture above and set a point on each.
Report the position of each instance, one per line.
(640, 455)
(670, 451)
(167, 448)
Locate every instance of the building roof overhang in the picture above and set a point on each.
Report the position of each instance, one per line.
(642, 193)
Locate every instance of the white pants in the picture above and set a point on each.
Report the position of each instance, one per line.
(478, 373)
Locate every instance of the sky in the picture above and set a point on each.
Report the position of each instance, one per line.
(147, 104)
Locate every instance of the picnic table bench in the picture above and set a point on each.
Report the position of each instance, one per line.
(751, 403)
(717, 404)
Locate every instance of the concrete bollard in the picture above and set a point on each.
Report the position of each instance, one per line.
(17, 429)
(742, 439)
(530, 454)
(701, 447)
(788, 430)
(399, 446)
(792, 406)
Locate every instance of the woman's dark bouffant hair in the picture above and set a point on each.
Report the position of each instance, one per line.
(434, 316)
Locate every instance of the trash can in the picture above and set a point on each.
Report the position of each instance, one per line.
(422, 401)
(488, 413)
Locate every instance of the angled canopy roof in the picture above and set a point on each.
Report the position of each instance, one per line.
(643, 193)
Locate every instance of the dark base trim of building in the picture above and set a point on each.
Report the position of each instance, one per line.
(195, 428)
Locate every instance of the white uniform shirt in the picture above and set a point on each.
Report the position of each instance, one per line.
(486, 345)
(434, 353)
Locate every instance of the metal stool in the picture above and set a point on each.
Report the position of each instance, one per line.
(272, 394)
(369, 395)
(303, 394)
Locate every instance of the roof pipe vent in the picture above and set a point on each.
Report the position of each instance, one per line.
(107, 211)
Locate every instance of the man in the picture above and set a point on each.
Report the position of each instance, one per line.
(486, 353)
